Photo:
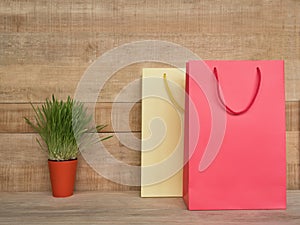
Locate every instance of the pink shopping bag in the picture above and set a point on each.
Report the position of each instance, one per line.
(235, 135)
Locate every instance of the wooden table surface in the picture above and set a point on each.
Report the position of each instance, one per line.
(129, 208)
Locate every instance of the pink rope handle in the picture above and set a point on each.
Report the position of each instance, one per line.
(228, 109)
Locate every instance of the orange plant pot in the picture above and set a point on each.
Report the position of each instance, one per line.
(62, 176)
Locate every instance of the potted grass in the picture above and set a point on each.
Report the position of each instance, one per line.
(60, 125)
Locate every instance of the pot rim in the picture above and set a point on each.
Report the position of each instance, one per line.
(68, 160)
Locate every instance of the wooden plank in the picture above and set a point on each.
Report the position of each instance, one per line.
(292, 112)
(32, 83)
(12, 117)
(128, 208)
(23, 165)
(292, 91)
(69, 49)
(293, 160)
(21, 157)
(132, 16)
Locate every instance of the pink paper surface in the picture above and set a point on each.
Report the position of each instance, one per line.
(248, 170)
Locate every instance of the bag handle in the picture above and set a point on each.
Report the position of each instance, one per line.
(169, 92)
(228, 109)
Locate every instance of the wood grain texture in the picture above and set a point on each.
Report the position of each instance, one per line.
(292, 114)
(81, 49)
(12, 117)
(128, 208)
(293, 159)
(23, 165)
(63, 81)
(173, 16)
(46, 46)
(21, 157)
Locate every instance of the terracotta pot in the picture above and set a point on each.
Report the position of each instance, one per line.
(62, 176)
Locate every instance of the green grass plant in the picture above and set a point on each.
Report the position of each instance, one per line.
(62, 125)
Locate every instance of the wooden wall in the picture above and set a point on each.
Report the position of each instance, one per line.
(45, 47)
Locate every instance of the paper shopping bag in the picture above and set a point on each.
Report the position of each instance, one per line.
(235, 135)
(162, 132)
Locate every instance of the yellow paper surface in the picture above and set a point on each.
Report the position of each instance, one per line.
(162, 132)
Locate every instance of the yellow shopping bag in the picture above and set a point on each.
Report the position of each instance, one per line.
(162, 132)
